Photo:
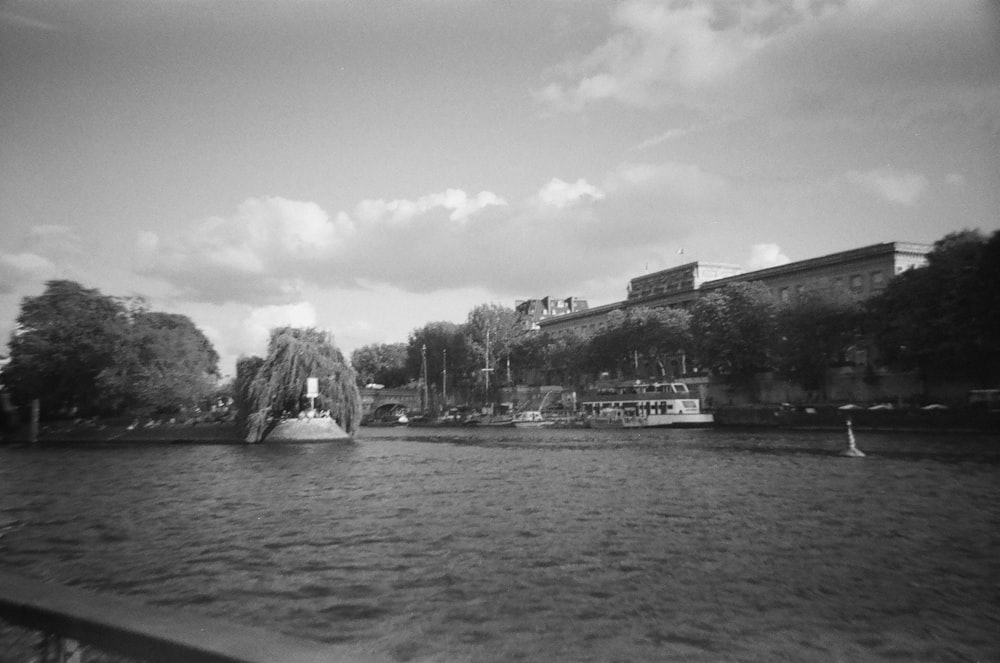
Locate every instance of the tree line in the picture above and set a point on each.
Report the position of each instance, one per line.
(82, 353)
(941, 321)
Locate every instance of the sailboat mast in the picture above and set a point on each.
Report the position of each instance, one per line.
(423, 375)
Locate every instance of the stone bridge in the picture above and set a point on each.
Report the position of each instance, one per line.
(376, 402)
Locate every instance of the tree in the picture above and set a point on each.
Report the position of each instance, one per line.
(813, 331)
(565, 358)
(163, 363)
(942, 319)
(381, 363)
(440, 341)
(501, 326)
(277, 384)
(639, 337)
(656, 335)
(65, 338)
(733, 331)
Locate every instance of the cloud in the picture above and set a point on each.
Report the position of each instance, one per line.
(46, 253)
(766, 255)
(873, 61)
(270, 249)
(17, 269)
(257, 326)
(570, 232)
(658, 54)
(257, 254)
(459, 205)
(560, 195)
(903, 188)
(653, 141)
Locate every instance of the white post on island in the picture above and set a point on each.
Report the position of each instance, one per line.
(312, 391)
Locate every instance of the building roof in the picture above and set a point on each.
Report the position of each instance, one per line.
(852, 255)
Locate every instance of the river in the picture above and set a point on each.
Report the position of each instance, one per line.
(552, 545)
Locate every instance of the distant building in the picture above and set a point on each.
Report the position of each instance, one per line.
(684, 278)
(534, 311)
(864, 271)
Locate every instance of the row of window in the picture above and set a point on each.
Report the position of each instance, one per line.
(856, 283)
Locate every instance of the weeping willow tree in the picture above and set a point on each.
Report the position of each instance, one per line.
(266, 388)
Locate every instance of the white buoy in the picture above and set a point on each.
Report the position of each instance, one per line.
(852, 450)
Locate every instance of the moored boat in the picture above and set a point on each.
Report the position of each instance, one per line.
(644, 405)
(531, 419)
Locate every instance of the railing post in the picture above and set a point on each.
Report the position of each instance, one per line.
(55, 649)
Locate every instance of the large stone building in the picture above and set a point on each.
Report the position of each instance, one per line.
(533, 311)
(864, 271)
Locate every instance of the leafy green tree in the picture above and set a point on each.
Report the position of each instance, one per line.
(813, 331)
(637, 338)
(565, 358)
(608, 348)
(381, 363)
(941, 319)
(277, 384)
(65, 338)
(444, 341)
(501, 326)
(163, 363)
(734, 330)
(658, 334)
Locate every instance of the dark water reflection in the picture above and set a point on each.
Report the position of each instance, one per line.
(565, 545)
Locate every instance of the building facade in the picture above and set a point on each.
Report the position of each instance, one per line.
(864, 271)
(534, 311)
(685, 278)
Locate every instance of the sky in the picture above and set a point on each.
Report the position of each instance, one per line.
(369, 167)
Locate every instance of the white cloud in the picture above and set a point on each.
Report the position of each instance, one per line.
(256, 254)
(681, 180)
(559, 194)
(766, 255)
(570, 231)
(17, 269)
(459, 205)
(258, 324)
(657, 53)
(903, 188)
(870, 61)
(667, 135)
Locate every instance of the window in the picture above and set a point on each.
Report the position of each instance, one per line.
(878, 281)
(857, 282)
(783, 295)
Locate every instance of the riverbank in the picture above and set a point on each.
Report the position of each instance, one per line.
(831, 417)
(224, 431)
(120, 431)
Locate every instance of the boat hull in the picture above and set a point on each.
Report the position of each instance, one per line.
(701, 420)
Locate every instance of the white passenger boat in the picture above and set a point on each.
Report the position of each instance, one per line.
(644, 405)
(531, 419)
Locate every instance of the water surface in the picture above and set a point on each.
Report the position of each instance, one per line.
(559, 545)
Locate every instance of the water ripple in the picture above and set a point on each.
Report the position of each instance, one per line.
(564, 545)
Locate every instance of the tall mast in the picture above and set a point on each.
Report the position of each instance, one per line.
(423, 375)
(444, 377)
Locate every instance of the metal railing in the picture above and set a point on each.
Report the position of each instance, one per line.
(72, 621)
